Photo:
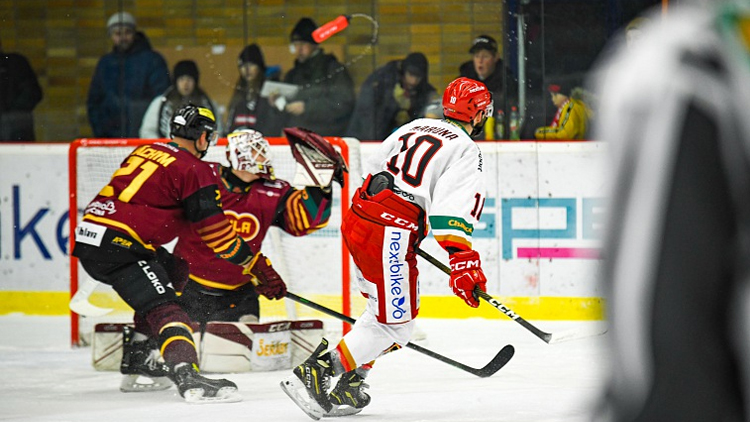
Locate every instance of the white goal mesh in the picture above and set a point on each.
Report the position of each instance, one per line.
(315, 266)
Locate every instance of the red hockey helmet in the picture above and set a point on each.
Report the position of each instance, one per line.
(464, 98)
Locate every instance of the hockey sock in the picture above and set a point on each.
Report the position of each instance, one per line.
(338, 364)
(175, 335)
(363, 370)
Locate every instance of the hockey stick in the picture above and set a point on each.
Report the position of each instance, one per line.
(502, 357)
(80, 304)
(546, 337)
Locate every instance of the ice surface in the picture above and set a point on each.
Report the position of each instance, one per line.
(44, 379)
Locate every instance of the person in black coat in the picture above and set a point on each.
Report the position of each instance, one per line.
(247, 110)
(391, 96)
(19, 94)
(487, 67)
(325, 98)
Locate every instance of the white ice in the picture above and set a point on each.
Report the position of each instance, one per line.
(44, 379)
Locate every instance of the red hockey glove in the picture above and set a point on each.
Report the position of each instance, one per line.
(266, 280)
(466, 272)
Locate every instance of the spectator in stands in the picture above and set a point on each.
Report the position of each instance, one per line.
(571, 118)
(487, 67)
(246, 108)
(325, 100)
(19, 94)
(185, 90)
(392, 96)
(125, 81)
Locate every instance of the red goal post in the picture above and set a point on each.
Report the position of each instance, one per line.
(91, 163)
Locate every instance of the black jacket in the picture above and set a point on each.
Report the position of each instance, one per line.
(19, 94)
(327, 91)
(376, 109)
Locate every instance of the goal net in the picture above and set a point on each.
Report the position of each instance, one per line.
(316, 266)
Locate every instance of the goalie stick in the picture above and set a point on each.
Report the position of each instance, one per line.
(548, 338)
(80, 304)
(500, 360)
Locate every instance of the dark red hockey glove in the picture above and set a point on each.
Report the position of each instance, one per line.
(266, 280)
(466, 272)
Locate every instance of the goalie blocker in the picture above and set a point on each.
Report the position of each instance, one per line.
(227, 346)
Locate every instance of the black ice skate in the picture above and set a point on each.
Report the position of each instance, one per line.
(348, 396)
(141, 365)
(197, 389)
(314, 376)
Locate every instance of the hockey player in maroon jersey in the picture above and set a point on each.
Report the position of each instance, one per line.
(254, 200)
(157, 190)
(427, 170)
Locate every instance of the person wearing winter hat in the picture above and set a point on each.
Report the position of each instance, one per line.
(571, 118)
(487, 67)
(185, 90)
(391, 96)
(247, 110)
(125, 81)
(326, 97)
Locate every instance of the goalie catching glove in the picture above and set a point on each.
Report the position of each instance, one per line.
(466, 273)
(266, 280)
(319, 163)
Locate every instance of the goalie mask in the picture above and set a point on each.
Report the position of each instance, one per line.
(249, 151)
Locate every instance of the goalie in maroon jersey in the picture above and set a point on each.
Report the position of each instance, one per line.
(255, 200)
(158, 189)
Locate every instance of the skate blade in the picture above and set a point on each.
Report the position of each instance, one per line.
(130, 384)
(296, 391)
(224, 395)
(339, 411)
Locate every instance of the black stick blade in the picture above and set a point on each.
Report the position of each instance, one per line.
(500, 360)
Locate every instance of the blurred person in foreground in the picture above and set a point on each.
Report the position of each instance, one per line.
(674, 116)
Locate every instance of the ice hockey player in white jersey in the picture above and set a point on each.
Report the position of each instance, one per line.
(426, 174)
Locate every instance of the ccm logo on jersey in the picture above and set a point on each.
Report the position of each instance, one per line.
(465, 265)
(408, 225)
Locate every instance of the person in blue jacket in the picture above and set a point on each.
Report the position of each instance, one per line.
(125, 81)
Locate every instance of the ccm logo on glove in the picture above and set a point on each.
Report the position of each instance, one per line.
(466, 265)
(466, 275)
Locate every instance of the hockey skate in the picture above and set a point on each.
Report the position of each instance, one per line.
(314, 376)
(141, 365)
(348, 396)
(197, 389)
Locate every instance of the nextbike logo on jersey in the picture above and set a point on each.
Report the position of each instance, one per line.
(396, 274)
(245, 224)
(408, 225)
